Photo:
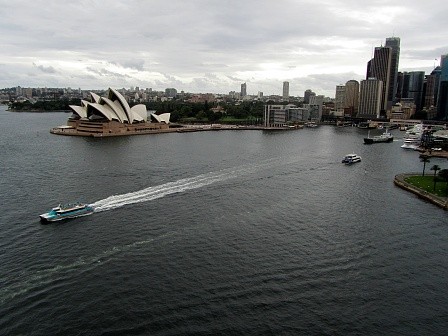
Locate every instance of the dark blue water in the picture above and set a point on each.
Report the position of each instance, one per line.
(229, 232)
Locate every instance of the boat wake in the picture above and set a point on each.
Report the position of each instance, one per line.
(182, 185)
(46, 277)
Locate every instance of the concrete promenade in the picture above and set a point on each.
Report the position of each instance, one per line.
(399, 181)
(72, 131)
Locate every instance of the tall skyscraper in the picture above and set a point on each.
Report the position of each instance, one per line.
(351, 97)
(339, 99)
(442, 104)
(431, 84)
(370, 98)
(437, 72)
(243, 90)
(285, 90)
(415, 88)
(403, 85)
(306, 97)
(394, 44)
(379, 68)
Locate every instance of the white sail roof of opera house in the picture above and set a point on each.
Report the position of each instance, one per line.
(115, 107)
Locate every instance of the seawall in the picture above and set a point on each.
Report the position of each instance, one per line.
(399, 181)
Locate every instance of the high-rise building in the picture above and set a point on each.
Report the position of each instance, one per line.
(394, 44)
(285, 90)
(316, 106)
(415, 88)
(370, 98)
(431, 86)
(306, 97)
(380, 69)
(243, 90)
(442, 103)
(351, 97)
(437, 72)
(402, 85)
(399, 93)
(339, 99)
(28, 92)
(444, 68)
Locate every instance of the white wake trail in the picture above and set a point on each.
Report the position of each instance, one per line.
(152, 193)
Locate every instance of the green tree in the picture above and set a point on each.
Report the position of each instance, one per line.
(436, 168)
(213, 116)
(206, 106)
(201, 115)
(425, 160)
(186, 111)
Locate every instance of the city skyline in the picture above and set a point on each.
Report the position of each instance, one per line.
(204, 46)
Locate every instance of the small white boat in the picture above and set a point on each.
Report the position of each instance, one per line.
(411, 143)
(351, 158)
(311, 124)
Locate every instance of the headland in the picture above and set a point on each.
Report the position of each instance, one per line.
(400, 181)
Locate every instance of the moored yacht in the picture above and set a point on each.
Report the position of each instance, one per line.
(411, 143)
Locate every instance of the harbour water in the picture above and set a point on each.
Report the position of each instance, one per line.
(228, 232)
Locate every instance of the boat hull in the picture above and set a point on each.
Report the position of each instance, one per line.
(56, 215)
(370, 141)
(410, 146)
(352, 162)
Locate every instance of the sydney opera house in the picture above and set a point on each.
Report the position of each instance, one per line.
(111, 116)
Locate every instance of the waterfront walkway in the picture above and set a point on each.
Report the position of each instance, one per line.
(399, 181)
(69, 130)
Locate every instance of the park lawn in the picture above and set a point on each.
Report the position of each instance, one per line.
(427, 183)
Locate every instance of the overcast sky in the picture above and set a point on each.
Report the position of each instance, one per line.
(212, 46)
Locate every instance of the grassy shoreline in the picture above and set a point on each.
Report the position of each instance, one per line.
(430, 184)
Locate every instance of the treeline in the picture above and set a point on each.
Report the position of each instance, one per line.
(44, 106)
(249, 111)
(202, 112)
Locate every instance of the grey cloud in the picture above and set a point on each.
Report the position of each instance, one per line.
(48, 69)
(136, 64)
(231, 42)
(428, 54)
(234, 79)
(107, 73)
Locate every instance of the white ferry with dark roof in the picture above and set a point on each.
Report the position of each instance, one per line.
(351, 158)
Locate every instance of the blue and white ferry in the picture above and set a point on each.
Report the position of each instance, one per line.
(67, 211)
